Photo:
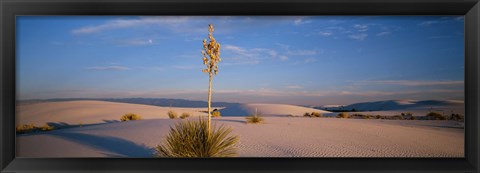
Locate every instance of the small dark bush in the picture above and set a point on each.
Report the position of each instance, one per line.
(397, 117)
(254, 119)
(25, 128)
(316, 114)
(216, 113)
(185, 115)
(361, 116)
(47, 127)
(343, 115)
(435, 116)
(307, 115)
(408, 116)
(130, 117)
(457, 117)
(172, 114)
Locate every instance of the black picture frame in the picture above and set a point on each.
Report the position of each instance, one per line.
(11, 8)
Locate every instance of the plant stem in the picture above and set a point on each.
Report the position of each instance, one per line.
(209, 101)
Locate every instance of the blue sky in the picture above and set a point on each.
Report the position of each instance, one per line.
(302, 60)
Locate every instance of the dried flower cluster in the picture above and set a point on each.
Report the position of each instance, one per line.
(211, 53)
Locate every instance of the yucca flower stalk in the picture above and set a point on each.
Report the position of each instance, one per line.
(211, 57)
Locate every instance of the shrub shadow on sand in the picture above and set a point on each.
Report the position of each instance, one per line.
(111, 121)
(117, 146)
(59, 125)
(228, 120)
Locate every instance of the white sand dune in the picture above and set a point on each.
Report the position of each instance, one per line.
(402, 104)
(91, 112)
(268, 110)
(396, 107)
(277, 137)
(280, 136)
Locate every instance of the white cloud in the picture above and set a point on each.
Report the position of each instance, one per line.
(360, 37)
(459, 18)
(302, 52)
(300, 21)
(305, 61)
(361, 27)
(325, 33)
(428, 23)
(439, 37)
(127, 23)
(293, 87)
(249, 62)
(383, 33)
(108, 68)
(239, 56)
(309, 60)
(414, 83)
(283, 57)
(135, 42)
(187, 67)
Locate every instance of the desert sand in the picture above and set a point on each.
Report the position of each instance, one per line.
(396, 107)
(279, 136)
(268, 110)
(91, 112)
(94, 112)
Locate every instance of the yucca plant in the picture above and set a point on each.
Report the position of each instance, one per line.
(193, 139)
(211, 57)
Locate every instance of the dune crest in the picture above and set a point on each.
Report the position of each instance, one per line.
(268, 110)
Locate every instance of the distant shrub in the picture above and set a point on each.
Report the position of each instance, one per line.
(343, 115)
(192, 139)
(172, 114)
(47, 127)
(185, 115)
(361, 116)
(254, 119)
(378, 117)
(313, 114)
(397, 117)
(435, 116)
(290, 115)
(29, 128)
(407, 116)
(216, 113)
(130, 117)
(25, 128)
(457, 117)
(316, 114)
